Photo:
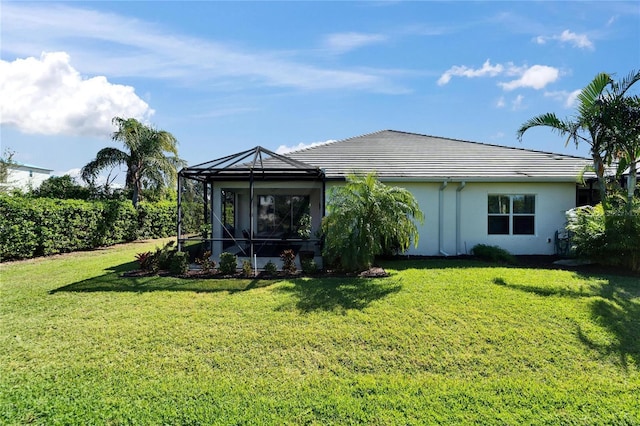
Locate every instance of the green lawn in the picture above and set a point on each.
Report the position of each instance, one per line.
(454, 342)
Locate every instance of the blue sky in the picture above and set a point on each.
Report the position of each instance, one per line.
(227, 76)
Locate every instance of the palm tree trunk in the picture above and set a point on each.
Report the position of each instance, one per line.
(631, 184)
(598, 164)
(134, 198)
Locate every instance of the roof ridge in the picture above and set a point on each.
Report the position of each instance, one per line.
(465, 141)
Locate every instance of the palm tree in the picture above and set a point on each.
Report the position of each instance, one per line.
(588, 126)
(582, 128)
(150, 155)
(365, 217)
(620, 117)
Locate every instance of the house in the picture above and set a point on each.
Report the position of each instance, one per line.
(25, 176)
(470, 193)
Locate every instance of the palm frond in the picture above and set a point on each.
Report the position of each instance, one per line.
(547, 120)
(619, 88)
(588, 97)
(106, 157)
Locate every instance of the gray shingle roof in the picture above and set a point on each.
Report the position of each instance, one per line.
(399, 155)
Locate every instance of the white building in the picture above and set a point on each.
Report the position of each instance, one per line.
(25, 176)
(470, 193)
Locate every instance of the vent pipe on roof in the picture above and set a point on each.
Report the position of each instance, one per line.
(441, 218)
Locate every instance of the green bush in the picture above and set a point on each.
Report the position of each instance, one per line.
(179, 263)
(309, 266)
(492, 254)
(270, 268)
(43, 226)
(228, 263)
(207, 265)
(610, 237)
(157, 220)
(247, 269)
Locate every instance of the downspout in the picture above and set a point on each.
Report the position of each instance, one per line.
(458, 216)
(251, 213)
(179, 224)
(211, 211)
(441, 218)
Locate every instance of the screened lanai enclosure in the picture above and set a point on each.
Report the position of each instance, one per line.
(258, 203)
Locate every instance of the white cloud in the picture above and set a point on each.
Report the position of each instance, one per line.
(580, 41)
(536, 77)
(47, 95)
(344, 42)
(572, 98)
(464, 71)
(501, 102)
(517, 102)
(568, 99)
(283, 149)
(143, 49)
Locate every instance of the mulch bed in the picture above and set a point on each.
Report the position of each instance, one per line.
(374, 272)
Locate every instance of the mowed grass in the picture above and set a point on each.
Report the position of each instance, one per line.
(437, 342)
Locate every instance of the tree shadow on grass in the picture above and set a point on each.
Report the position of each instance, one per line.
(615, 307)
(328, 294)
(113, 280)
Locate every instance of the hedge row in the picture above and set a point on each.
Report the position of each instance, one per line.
(33, 227)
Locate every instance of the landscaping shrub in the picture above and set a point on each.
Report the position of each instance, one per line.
(610, 237)
(309, 266)
(228, 263)
(43, 226)
(270, 268)
(145, 260)
(492, 254)
(179, 263)
(288, 261)
(247, 269)
(207, 265)
(164, 256)
(157, 220)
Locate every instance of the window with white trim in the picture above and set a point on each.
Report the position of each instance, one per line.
(511, 214)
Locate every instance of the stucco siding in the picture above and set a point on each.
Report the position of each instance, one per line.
(551, 202)
(444, 234)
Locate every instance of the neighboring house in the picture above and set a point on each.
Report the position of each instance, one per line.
(25, 176)
(470, 193)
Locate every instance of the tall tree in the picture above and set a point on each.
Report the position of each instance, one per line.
(365, 217)
(150, 155)
(588, 125)
(619, 115)
(582, 128)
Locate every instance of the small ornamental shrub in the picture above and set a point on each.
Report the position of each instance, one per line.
(492, 254)
(611, 236)
(179, 264)
(145, 260)
(228, 263)
(207, 265)
(288, 261)
(309, 266)
(165, 255)
(247, 269)
(270, 268)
